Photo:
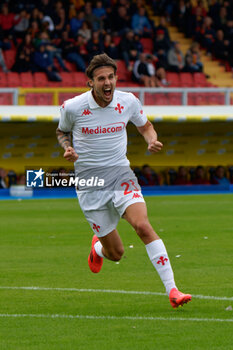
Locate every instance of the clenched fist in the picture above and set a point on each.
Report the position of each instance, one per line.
(70, 154)
(155, 146)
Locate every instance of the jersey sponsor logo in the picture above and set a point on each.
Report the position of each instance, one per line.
(162, 260)
(136, 195)
(119, 108)
(105, 129)
(96, 227)
(86, 112)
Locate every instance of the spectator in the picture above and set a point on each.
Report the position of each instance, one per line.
(99, 11)
(85, 31)
(163, 26)
(144, 71)
(22, 25)
(71, 51)
(141, 73)
(34, 30)
(219, 177)
(3, 178)
(200, 178)
(176, 59)
(141, 24)
(95, 22)
(193, 59)
(110, 48)
(148, 177)
(44, 63)
(95, 45)
(24, 56)
(120, 20)
(207, 34)
(46, 7)
(221, 46)
(12, 178)
(221, 21)
(47, 24)
(52, 50)
(7, 21)
(76, 23)
(2, 62)
(36, 16)
(161, 47)
(59, 21)
(180, 15)
(182, 177)
(128, 48)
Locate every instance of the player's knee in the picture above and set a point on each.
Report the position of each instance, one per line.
(116, 253)
(143, 228)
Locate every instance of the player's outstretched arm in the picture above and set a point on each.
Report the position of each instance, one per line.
(150, 136)
(64, 139)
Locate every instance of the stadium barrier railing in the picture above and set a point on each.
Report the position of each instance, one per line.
(19, 94)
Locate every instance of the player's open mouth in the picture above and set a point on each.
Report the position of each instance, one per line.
(107, 92)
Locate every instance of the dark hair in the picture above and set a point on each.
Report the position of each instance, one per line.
(100, 61)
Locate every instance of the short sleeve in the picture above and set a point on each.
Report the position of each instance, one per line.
(65, 123)
(138, 116)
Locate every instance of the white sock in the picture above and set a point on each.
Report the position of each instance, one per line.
(159, 258)
(98, 248)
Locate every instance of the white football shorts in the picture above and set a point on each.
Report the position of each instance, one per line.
(104, 208)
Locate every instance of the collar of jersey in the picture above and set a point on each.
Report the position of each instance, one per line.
(92, 103)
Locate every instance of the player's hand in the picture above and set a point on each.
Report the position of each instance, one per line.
(70, 154)
(155, 146)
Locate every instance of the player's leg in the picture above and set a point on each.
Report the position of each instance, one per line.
(112, 246)
(136, 215)
(109, 246)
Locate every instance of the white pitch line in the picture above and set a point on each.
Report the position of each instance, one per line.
(107, 317)
(81, 290)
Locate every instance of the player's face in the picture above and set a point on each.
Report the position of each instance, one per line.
(103, 84)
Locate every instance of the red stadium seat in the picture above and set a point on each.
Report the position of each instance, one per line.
(30, 99)
(174, 99)
(44, 98)
(147, 44)
(40, 79)
(80, 79)
(67, 79)
(216, 99)
(26, 79)
(13, 79)
(63, 96)
(199, 80)
(71, 66)
(5, 99)
(9, 56)
(186, 80)
(173, 79)
(3, 80)
(191, 99)
(201, 99)
(116, 40)
(155, 99)
(122, 72)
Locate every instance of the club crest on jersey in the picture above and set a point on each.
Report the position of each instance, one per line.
(86, 112)
(119, 108)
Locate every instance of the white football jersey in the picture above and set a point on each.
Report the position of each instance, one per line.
(99, 134)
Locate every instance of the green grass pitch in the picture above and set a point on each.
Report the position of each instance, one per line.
(45, 243)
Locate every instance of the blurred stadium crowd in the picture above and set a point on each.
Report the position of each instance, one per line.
(53, 35)
(146, 175)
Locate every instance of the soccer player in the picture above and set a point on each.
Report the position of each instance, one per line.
(97, 121)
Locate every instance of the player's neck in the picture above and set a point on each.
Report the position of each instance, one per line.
(100, 101)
